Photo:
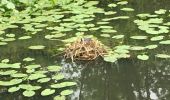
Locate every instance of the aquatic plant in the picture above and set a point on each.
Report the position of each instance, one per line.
(31, 77)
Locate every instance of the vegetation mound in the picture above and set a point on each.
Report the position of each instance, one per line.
(85, 49)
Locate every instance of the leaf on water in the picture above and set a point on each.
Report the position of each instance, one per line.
(160, 11)
(28, 59)
(122, 3)
(143, 57)
(13, 89)
(47, 92)
(59, 98)
(28, 93)
(36, 47)
(157, 38)
(112, 5)
(66, 92)
(58, 76)
(165, 42)
(5, 61)
(138, 37)
(19, 75)
(118, 37)
(63, 84)
(127, 9)
(44, 80)
(24, 37)
(54, 68)
(3, 43)
(110, 58)
(151, 46)
(162, 56)
(33, 66)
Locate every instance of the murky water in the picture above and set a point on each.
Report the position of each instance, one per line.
(127, 79)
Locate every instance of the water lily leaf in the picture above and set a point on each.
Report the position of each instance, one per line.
(5, 61)
(63, 84)
(3, 43)
(66, 92)
(58, 77)
(138, 37)
(30, 70)
(162, 56)
(28, 93)
(29, 87)
(157, 38)
(8, 72)
(112, 5)
(5, 65)
(110, 13)
(122, 3)
(28, 59)
(11, 82)
(44, 80)
(160, 11)
(13, 89)
(10, 35)
(118, 36)
(110, 58)
(151, 46)
(59, 98)
(54, 68)
(19, 75)
(10, 5)
(8, 39)
(108, 31)
(106, 27)
(127, 9)
(143, 57)
(137, 48)
(47, 92)
(36, 47)
(36, 76)
(34, 66)
(24, 37)
(165, 42)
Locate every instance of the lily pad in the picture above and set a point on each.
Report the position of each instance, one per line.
(143, 57)
(44, 80)
(59, 98)
(13, 89)
(36, 47)
(66, 92)
(47, 92)
(28, 93)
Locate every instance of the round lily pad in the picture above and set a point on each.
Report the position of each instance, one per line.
(28, 93)
(47, 92)
(66, 92)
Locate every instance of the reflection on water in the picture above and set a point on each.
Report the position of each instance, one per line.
(127, 79)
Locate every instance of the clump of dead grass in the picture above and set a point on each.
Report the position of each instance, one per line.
(85, 49)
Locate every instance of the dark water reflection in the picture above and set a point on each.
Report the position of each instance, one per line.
(127, 79)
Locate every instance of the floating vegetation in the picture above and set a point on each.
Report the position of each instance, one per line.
(36, 47)
(30, 77)
(85, 49)
(127, 9)
(143, 57)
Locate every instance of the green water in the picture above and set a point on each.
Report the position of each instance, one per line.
(126, 79)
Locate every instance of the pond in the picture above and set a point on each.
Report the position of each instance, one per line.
(136, 33)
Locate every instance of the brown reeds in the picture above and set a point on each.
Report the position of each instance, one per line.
(85, 49)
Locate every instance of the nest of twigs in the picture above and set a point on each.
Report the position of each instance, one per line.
(85, 49)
